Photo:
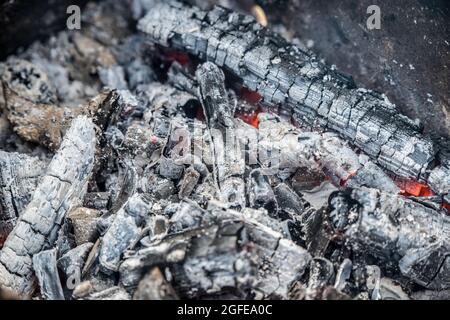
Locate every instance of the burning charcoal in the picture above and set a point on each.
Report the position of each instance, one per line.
(283, 146)
(170, 249)
(84, 222)
(19, 175)
(72, 262)
(279, 260)
(260, 192)
(188, 183)
(44, 264)
(284, 74)
(124, 230)
(228, 164)
(218, 110)
(289, 201)
(321, 272)
(64, 184)
(396, 230)
(154, 286)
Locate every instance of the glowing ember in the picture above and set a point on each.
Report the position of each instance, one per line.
(446, 206)
(414, 188)
(250, 96)
(180, 57)
(250, 118)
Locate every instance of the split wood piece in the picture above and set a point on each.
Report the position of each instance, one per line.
(44, 265)
(61, 189)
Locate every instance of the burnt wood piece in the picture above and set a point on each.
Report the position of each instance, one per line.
(219, 250)
(60, 189)
(284, 74)
(19, 175)
(395, 230)
(285, 148)
(228, 164)
(45, 268)
(125, 230)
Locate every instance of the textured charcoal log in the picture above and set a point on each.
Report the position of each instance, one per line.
(59, 190)
(284, 74)
(395, 230)
(44, 265)
(19, 175)
(124, 230)
(217, 108)
(229, 166)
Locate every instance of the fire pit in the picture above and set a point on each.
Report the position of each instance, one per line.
(168, 151)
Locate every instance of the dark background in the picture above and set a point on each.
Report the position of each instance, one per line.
(408, 59)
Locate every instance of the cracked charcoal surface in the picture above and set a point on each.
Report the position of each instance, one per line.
(395, 230)
(284, 74)
(19, 175)
(62, 187)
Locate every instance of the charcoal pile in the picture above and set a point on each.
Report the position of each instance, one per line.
(166, 151)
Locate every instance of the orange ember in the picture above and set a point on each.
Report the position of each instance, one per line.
(250, 118)
(414, 188)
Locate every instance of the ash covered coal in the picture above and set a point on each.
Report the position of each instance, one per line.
(163, 164)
